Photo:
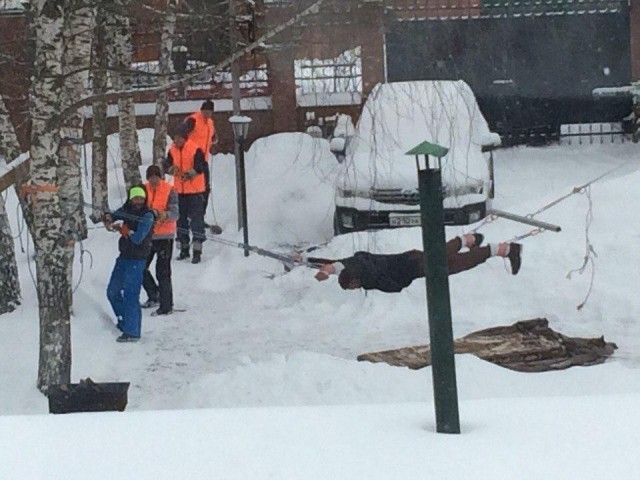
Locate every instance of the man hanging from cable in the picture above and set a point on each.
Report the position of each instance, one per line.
(125, 283)
(392, 273)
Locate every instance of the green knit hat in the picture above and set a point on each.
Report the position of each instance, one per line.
(137, 192)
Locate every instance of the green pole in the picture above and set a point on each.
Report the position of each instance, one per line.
(439, 304)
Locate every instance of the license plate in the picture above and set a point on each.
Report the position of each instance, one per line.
(396, 220)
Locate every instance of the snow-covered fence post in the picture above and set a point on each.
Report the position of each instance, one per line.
(50, 242)
(445, 391)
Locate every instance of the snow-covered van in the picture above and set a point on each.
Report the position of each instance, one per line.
(378, 187)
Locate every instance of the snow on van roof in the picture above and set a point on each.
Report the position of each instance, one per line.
(399, 116)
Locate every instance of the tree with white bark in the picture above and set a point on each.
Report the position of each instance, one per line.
(10, 295)
(50, 240)
(118, 29)
(77, 34)
(99, 82)
(161, 119)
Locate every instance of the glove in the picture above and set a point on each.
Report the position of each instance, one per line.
(173, 171)
(161, 216)
(190, 174)
(125, 231)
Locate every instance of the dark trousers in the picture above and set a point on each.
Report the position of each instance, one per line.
(191, 208)
(162, 291)
(457, 261)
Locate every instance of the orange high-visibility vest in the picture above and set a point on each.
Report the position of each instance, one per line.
(184, 160)
(158, 199)
(202, 132)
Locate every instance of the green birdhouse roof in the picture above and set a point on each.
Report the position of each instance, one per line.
(426, 148)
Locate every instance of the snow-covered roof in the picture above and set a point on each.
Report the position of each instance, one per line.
(187, 106)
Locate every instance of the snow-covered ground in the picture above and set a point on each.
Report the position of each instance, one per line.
(253, 336)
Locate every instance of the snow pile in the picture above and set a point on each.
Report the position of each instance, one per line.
(290, 183)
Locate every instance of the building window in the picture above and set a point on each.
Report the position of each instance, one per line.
(334, 81)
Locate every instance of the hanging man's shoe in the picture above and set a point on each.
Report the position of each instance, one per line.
(478, 238)
(515, 257)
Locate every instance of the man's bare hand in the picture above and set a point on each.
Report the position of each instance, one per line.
(325, 271)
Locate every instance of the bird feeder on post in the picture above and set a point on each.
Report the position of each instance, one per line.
(437, 278)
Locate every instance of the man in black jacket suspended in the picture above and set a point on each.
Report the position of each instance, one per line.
(392, 273)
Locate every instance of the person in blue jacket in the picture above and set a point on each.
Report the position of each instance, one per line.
(124, 286)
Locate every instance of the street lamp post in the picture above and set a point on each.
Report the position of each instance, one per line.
(443, 367)
(240, 127)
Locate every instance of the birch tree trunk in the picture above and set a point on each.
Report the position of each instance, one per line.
(119, 31)
(9, 282)
(99, 65)
(77, 32)
(161, 120)
(50, 243)
(10, 149)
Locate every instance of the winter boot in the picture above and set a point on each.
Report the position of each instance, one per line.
(150, 303)
(162, 312)
(184, 252)
(125, 337)
(515, 257)
(197, 252)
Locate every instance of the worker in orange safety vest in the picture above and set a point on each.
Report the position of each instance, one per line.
(186, 163)
(201, 129)
(163, 201)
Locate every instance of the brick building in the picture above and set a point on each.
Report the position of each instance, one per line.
(330, 61)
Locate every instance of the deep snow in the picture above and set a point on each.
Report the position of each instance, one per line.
(254, 337)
